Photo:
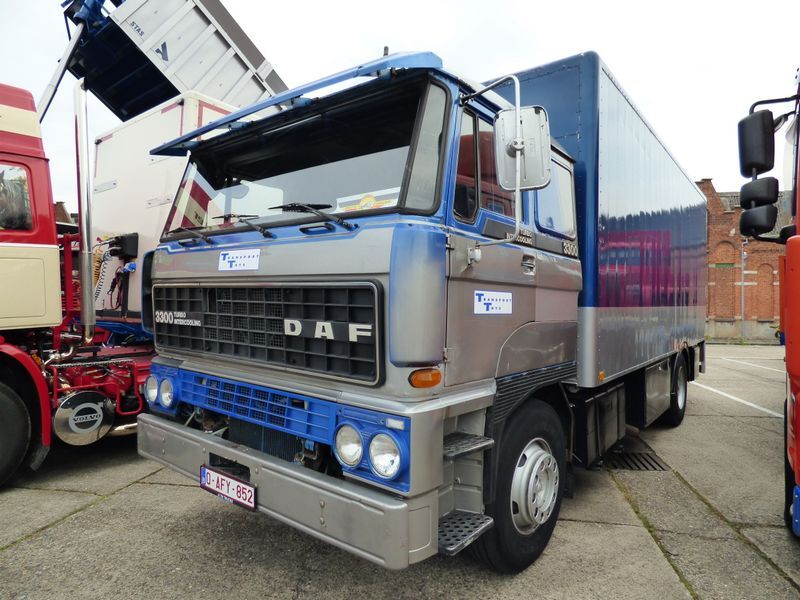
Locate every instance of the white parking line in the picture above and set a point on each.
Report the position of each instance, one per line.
(739, 400)
(749, 357)
(741, 362)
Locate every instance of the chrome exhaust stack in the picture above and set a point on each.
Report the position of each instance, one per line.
(88, 317)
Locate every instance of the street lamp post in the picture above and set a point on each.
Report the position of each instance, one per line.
(743, 263)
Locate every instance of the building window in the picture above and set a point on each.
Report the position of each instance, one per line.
(724, 303)
(765, 292)
(15, 201)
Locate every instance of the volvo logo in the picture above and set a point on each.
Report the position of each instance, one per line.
(327, 330)
(86, 417)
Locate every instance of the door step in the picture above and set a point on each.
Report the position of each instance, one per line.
(460, 443)
(459, 529)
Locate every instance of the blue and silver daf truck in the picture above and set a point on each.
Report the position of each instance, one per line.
(398, 314)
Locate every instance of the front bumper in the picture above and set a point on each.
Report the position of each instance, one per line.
(392, 532)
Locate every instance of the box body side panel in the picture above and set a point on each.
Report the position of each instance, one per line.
(641, 222)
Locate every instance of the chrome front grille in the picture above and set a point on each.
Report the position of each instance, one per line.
(306, 327)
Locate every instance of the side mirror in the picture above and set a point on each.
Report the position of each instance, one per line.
(759, 192)
(758, 220)
(786, 232)
(535, 155)
(756, 143)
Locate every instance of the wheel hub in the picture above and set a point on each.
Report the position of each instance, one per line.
(681, 391)
(534, 487)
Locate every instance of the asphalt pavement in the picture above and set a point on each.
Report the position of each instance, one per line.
(100, 522)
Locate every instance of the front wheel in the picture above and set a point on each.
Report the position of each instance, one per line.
(530, 485)
(15, 432)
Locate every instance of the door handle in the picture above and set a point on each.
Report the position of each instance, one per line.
(529, 265)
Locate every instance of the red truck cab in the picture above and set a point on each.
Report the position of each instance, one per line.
(759, 216)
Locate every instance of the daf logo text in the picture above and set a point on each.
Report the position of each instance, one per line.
(327, 330)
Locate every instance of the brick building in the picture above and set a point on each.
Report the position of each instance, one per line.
(725, 277)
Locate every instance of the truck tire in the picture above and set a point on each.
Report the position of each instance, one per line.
(679, 393)
(531, 474)
(15, 432)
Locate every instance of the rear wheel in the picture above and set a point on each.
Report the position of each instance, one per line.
(530, 485)
(15, 432)
(679, 393)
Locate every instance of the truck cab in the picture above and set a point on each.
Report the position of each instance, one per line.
(29, 253)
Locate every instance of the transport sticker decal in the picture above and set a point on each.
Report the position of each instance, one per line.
(239, 260)
(493, 303)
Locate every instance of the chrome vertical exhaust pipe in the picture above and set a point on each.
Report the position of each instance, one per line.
(88, 318)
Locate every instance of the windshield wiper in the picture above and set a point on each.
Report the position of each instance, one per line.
(235, 216)
(316, 210)
(192, 230)
(246, 219)
(259, 228)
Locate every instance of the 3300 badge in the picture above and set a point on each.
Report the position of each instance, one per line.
(178, 317)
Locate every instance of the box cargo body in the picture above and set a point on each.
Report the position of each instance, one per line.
(641, 222)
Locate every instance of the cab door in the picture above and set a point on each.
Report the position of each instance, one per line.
(514, 309)
(30, 295)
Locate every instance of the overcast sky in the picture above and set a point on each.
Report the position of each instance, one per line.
(692, 68)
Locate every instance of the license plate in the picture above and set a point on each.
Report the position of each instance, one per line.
(228, 488)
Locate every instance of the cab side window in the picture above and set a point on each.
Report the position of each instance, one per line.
(555, 209)
(465, 202)
(493, 197)
(15, 202)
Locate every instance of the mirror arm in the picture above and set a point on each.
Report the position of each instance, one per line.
(769, 240)
(517, 145)
(773, 101)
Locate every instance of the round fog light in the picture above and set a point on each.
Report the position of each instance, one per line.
(349, 447)
(151, 389)
(165, 393)
(384, 456)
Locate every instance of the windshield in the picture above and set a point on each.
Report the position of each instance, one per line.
(342, 160)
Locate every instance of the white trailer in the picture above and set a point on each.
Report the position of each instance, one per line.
(133, 192)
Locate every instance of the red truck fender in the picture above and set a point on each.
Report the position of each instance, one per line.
(26, 362)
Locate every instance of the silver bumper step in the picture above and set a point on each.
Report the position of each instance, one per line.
(459, 529)
(460, 443)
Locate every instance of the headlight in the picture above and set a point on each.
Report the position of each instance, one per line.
(349, 447)
(151, 389)
(165, 391)
(384, 456)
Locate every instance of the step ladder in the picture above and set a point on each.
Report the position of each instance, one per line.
(459, 528)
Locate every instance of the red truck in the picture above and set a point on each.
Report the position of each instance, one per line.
(57, 373)
(758, 219)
